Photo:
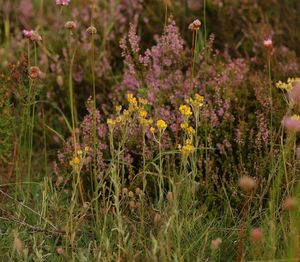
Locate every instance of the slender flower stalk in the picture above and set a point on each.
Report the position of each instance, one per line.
(34, 74)
(92, 31)
(194, 27)
(71, 91)
(268, 44)
(161, 125)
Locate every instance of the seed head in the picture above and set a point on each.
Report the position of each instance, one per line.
(91, 30)
(70, 25)
(138, 204)
(59, 181)
(60, 80)
(60, 250)
(18, 245)
(34, 72)
(216, 243)
(170, 196)
(157, 218)
(131, 194)
(247, 183)
(124, 191)
(86, 205)
(138, 191)
(132, 204)
(195, 25)
(290, 204)
(256, 235)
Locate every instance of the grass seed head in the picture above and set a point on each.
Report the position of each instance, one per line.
(256, 235)
(247, 184)
(216, 243)
(290, 204)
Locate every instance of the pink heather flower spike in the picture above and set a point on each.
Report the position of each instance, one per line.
(63, 2)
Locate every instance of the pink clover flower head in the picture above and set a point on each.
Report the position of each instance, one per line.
(28, 33)
(291, 123)
(195, 25)
(32, 35)
(63, 2)
(268, 43)
(256, 234)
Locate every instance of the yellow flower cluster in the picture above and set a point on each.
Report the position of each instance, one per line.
(192, 107)
(288, 85)
(142, 113)
(131, 100)
(118, 108)
(161, 124)
(136, 109)
(75, 161)
(198, 101)
(185, 126)
(185, 110)
(77, 158)
(190, 130)
(111, 122)
(188, 148)
(296, 117)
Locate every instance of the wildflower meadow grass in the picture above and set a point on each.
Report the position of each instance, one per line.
(138, 130)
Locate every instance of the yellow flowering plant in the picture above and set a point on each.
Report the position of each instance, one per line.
(288, 85)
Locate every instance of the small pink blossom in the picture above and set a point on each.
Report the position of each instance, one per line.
(195, 25)
(256, 235)
(294, 93)
(32, 35)
(268, 43)
(28, 33)
(63, 2)
(291, 123)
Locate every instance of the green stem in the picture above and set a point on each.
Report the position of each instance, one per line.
(271, 113)
(92, 62)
